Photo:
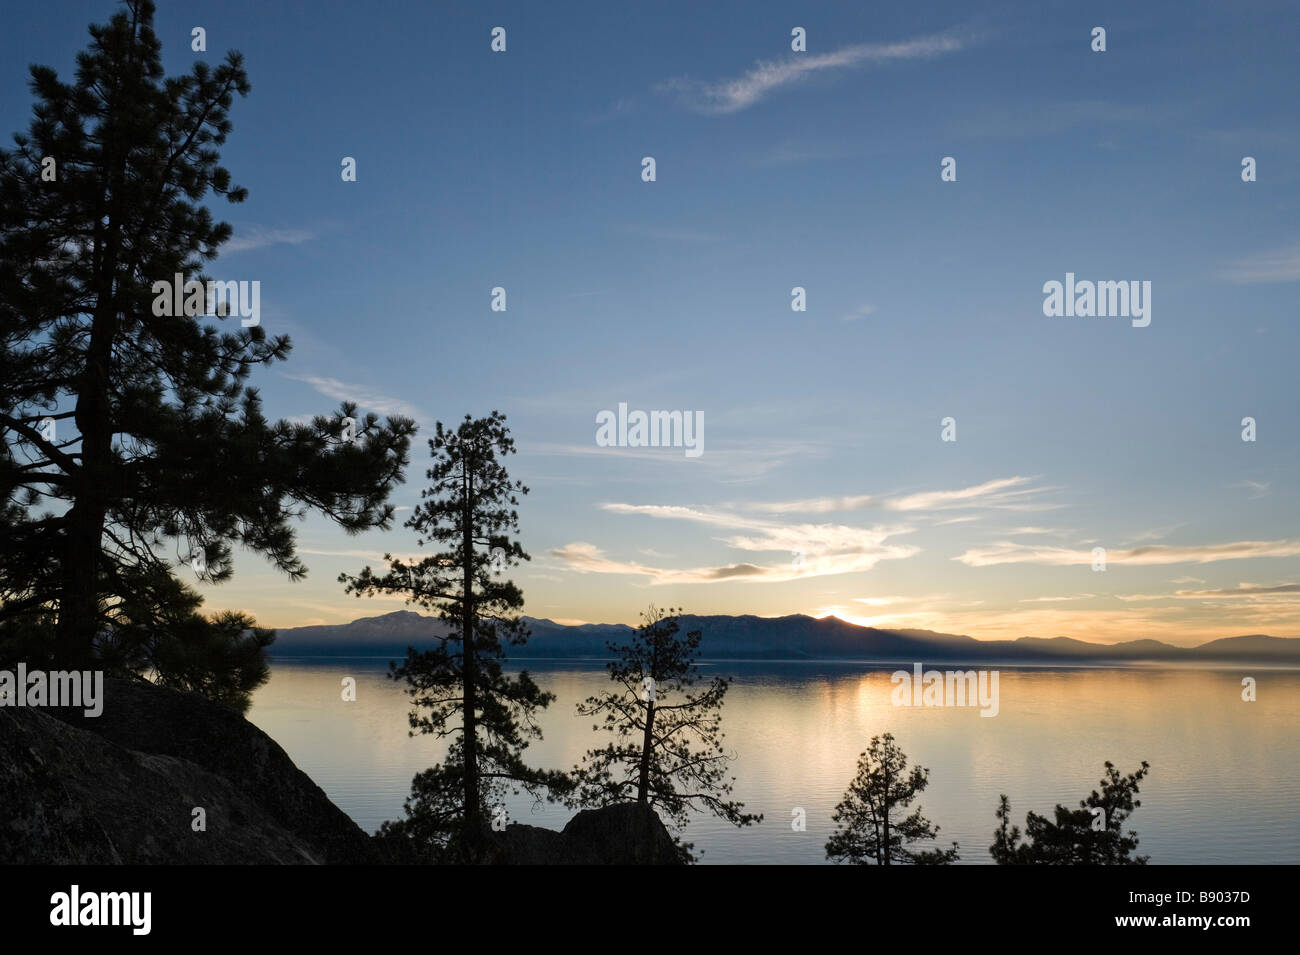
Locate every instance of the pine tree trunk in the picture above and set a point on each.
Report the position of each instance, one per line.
(78, 598)
(885, 813)
(78, 620)
(647, 741)
(472, 809)
(647, 747)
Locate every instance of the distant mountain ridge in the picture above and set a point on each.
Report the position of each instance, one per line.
(796, 637)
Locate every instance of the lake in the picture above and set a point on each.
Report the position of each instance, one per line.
(1223, 786)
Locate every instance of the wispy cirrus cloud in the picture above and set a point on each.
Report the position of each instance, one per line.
(258, 237)
(767, 76)
(623, 106)
(817, 505)
(882, 601)
(862, 311)
(1258, 489)
(1241, 590)
(1010, 552)
(1279, 265)
(586, 558)
(364, 396)
(678, 512)
(819, 549)
(813, 540)
(1245, 605)
(1155, 534)
(1013, 493)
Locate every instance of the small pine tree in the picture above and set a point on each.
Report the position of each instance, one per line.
(1075, 838)
(667, 750)
(866, 830)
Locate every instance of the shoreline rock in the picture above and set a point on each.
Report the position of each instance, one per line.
(122, 787)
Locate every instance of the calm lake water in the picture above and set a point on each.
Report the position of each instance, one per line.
(1223, 787)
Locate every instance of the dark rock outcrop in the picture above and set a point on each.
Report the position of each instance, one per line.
(122, 787)
(624, 834)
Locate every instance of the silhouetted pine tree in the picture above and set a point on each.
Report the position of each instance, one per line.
(458, 688)
(153, 441)
(866, 830)
(1078, 836)
(667, 749)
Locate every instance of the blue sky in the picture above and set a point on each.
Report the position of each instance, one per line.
(778, 169)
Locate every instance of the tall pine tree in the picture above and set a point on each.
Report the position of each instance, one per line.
(132, 442)
(459, 689)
